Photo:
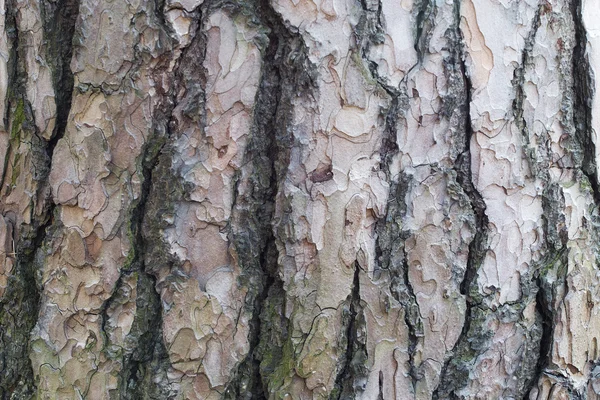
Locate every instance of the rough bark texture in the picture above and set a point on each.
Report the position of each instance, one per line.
(299, 199)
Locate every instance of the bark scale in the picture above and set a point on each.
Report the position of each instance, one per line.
(338, 199)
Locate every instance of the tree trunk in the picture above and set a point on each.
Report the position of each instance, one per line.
(299, 199)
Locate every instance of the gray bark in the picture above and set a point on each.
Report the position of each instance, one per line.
(299, 199)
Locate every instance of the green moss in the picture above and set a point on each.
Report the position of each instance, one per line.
(364, 71)
(584, 184)
(16, 169)
(18, 119)
(556, 263)
(285, 366)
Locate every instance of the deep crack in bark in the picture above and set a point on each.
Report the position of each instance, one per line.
(423, 23)
(344, 382)
(22, 298)
(412, 319)
(145, 365)
(477, 246)
(255, 245)
(583, 93)
(519, 82)
(136, 378)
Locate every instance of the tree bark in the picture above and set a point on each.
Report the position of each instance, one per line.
(299, 199)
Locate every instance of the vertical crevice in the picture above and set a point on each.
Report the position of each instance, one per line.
(252, 233)
(413, 321)
(583, 83)
(391, 255)
(424, 24)
(454, 373)
(20, 305)
(148, 357)
(380, 394)
(518, 103)
(393, 259)
(59, 21)
(390, 238)
(519, 73)
(554, 262)
(145, 360)
(545, 314)
(465, 179)
(554, 224)
(577, 124)
(146, 365)
(348, 381)
(255, 244)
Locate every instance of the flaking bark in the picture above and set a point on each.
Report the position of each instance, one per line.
(277, 199)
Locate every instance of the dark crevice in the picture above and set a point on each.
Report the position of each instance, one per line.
(145, 359)
(255, 245)
(388, 255)
(391, 254)
(18, 314)
(545, 313)
(380, 395)
(344, 386)
(583, 83)
(257, 388)
(147, 326)
(393, 260)
(370, 31)
(424, 24)
(554, 226)
(59, 20)
(412, 319)
(145, 368)
(389, 244)
(136, 378)
(390, 247)
(465, 179)
(251, 232)
(577, 122)
(159, 14)
(519, 82)
(554, 262)
(19, 307)
(453, 374)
